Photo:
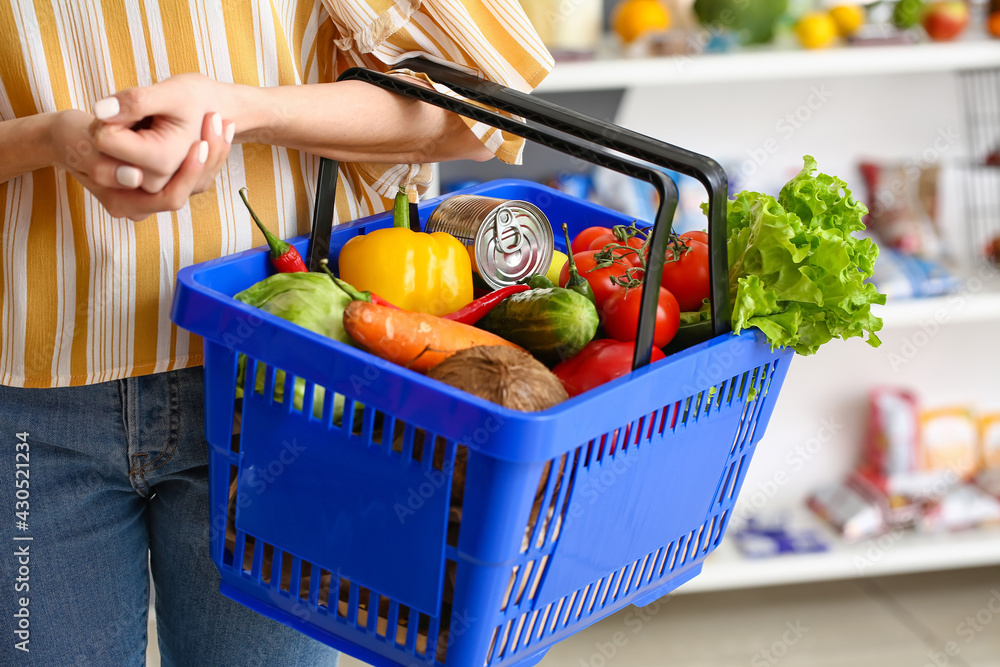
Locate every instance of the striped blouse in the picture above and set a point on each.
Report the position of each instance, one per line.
(85, 297)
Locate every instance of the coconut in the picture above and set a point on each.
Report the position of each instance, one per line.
(504, 375)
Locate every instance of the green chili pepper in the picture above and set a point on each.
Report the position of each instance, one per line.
(576, 282)
(540, 281)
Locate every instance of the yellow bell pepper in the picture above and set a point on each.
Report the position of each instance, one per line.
(428, 273)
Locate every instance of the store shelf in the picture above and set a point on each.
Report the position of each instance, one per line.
(754, 65)
(728, 569)
(978, 300)
(955, 309)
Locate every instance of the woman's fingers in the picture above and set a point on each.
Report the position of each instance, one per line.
(156, 153)
(138, 205)
(176, 193)
(219, 136)
(143, 149)
(110, 173)
(128, 107)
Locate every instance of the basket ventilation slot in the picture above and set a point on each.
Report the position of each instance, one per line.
(327, 593)
(522, 630)
(359, 607)
(548, 512)
(667, 419)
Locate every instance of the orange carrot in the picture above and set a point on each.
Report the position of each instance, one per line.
(418, 341)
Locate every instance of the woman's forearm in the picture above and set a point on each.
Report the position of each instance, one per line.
(350, 121)
(25, 145)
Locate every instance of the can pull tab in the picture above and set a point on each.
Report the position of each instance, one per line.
(508, 234)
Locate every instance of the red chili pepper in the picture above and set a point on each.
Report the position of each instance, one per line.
(470, 314)
(599, 362)
(284, 257)
(477, 310)
(376, 299)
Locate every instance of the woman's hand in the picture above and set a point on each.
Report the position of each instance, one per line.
(116, 184)
(74, 149)
(154, 127)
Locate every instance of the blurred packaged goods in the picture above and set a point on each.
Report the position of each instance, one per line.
(902, 201)
(571, 29)
(776, 535)
(930, 469)
(902, 276)
(854, 507)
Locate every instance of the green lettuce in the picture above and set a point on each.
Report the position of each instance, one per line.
(796, 271)
(703, 314)
(312, 301)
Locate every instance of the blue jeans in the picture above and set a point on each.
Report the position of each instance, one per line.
(118, 477)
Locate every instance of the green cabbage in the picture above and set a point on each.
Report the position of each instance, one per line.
(796, 272)
(310, 300)
(313, 302)
(753, 20)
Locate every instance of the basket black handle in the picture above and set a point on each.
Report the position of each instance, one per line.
(577, 135)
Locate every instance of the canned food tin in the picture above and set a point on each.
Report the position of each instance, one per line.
(509, 240)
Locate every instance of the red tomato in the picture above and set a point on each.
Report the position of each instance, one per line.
(634, 242)
(599, 279)
(621, 316)
(696, 236)
(686, 277)
(599, 362)
(583, 239)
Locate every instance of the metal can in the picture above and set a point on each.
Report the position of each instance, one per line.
(508, 240)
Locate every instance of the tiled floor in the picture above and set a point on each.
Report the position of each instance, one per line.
(908, 621)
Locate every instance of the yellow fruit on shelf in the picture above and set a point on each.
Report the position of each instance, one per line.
(849, 18)
(816, 30)
(634, 18)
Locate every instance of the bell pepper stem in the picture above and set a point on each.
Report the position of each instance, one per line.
(401, 209)
(277, 246)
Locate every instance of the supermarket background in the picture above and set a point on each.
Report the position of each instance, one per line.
(824, 565)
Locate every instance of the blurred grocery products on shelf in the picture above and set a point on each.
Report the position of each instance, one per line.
(642, 28)
(929, 469)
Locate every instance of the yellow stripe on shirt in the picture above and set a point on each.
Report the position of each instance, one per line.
(85, 297)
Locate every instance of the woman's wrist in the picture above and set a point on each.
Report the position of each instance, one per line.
(248, 107)
(27, 144)
(36, 136)
(42, 137)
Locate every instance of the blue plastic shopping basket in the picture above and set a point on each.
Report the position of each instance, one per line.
(430, 527)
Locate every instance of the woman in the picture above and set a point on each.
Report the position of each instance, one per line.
(123, 111)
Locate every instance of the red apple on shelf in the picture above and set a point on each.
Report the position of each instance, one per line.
(993, 250)
(944, 21)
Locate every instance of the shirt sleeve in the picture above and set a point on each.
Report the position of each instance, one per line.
(489, 38)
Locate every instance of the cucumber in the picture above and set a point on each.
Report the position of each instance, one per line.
(553, 324)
